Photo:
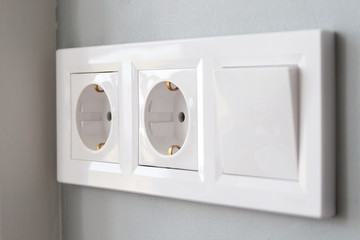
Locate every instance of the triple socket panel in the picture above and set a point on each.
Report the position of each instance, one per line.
(244, 121)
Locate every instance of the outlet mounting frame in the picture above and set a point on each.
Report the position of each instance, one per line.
(313, 195)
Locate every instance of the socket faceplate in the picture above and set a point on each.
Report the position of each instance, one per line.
(168, 133)
(166, 118)
(200, 171)
(94, 116)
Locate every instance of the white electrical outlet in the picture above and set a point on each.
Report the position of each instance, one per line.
(244, 121)
(168, 118)
(94, 116)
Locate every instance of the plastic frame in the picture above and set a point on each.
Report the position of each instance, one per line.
(313, 195)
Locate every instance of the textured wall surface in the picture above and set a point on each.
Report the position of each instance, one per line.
(91, 214)
(29, 206)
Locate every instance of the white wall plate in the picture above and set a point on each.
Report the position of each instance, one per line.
(244, 121)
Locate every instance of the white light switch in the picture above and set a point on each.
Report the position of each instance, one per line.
(257, 121)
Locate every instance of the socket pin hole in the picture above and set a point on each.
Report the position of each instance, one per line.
(108, 116)
(181, 117)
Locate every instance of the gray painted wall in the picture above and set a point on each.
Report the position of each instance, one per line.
(29, 204)
(92, 214)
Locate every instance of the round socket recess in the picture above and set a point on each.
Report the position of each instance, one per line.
(166, 118)
(93, 117)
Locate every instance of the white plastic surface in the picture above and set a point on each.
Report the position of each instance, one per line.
(257, 121)
(160, 126)
(163, 126)
(90, 111)
(299, 176)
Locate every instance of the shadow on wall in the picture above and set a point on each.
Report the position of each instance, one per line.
(342, 190)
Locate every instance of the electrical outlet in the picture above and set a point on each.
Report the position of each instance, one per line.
(168, 118)
(94, 114)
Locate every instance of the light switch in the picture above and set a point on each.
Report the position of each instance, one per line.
(257, 121)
